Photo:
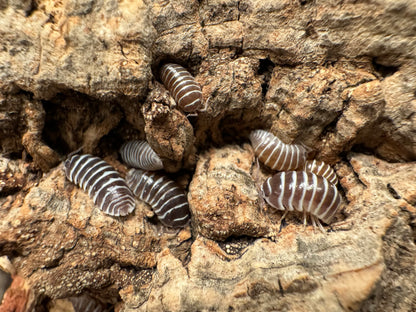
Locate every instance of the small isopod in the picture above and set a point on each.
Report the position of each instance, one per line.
(322, 169)
(139, 154)
(302, 191)
(182, 86)
(166, 198)
(275, 154)
(85, 303)
(103, 184)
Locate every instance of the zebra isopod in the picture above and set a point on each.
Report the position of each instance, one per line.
(139, 154)
(182, 86)
(166, 198)
(322, 169)
(103, 184)
(302, 191)
(275, 154)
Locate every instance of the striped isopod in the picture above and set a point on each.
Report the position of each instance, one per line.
(103, 184)
(139, 154)
(275, 154)
(322, 169)
(302, 191)
(167, 199)
(182, 86)
(85, 303)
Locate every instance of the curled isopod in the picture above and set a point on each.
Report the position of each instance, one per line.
(322, 169)
(182, 86)
(275, 154)
(166, 198)
(139, 154)
(103, 184)
(305, 192)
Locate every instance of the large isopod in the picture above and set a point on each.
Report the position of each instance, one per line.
(166, 198)
(275, 154)
(102, 183)
(182, 86)
(304, 192)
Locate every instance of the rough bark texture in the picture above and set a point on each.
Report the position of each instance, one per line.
(336, 76)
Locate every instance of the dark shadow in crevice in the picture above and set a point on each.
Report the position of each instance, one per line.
(32, 8)
(68, 117)
(265, 69)
(362, 149)
(382, 70)
(393, 192)
(122, 133)
(235, 129)
(236, 246)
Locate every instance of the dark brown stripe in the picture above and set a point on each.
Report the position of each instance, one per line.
(102, 182)
(318, 193)
(275, 154)
(163, 195)
(181, 85)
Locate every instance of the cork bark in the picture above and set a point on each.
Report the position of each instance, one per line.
(336, 76)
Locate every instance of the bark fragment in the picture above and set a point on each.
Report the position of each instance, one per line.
(336, 76)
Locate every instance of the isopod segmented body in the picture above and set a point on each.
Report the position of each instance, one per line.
(302, 191)
(275, 154)
(103, 184)
(322, 169)
(139, 154)
(182, 86)
(167, 199)
(86, 303)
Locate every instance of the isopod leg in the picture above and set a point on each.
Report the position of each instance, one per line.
(313, 223)
(205, 106)
(319, 224)
(304, 219)
(284, 216)
(258, 184)
(191, 115)
(75, 152)
(257, 173)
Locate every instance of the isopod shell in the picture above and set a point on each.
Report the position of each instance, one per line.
(275, 154)
(182, 87)
(302, 191)
(322, 169)
(166, 198)
(102, 183)
(139, 154)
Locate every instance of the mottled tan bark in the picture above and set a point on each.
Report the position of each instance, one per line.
(336, 76)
